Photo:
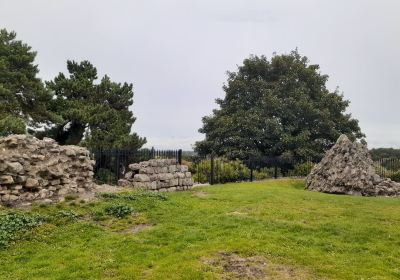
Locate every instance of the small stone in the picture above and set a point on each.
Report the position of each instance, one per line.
(14, 167)
(55, 182)
(20, 179)
(13, 198)
(31, 183)
(70, 152)
(6, 180)
(134, 167)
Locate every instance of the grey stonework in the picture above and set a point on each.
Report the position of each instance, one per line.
(347, 168)
(160, 175)
(33, 169)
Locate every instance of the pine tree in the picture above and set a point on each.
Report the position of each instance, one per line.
(23, 97)
(95, 115)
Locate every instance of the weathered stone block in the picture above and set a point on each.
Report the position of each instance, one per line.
(14, 167)
(31, 183)
(134, 166)
(172, 168)
(141, 178)
(6, 180)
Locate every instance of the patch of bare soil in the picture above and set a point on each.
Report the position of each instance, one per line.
(234, 266)
(136, 228)
(90, 196)
(237, 213)
(200, 194)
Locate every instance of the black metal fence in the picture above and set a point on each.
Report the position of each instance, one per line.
(215, 170)
(111, 165)
(388, 167)
(219, 170)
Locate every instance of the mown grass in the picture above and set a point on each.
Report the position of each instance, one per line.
(315, 235)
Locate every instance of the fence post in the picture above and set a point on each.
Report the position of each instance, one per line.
(212, 170)
(117, 159)
(180, 156)
(251, 173)
(275, 171)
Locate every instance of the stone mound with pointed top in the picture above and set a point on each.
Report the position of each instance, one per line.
(347, 168)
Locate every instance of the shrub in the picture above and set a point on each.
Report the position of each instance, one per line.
(264, 173)
(134, 196)
(303, 169)
(67, 214)
(119, 210)
(395, 176)
(13, 224)
(70, 197)
(225, 171)
(106, 176)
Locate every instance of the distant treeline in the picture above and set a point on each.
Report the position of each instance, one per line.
(380, 153)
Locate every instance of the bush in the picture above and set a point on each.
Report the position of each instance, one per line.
(13, 224)
(67, 214)
(264, 173)
(106, 176)
(119, 210)
(225, 171)
(395, 176)
(134, 196)
(303, 169)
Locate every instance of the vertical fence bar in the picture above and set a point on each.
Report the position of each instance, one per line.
(212, 170)
(116, 170)
(180, 156)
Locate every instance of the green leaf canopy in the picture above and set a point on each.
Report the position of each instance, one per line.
(276, 107)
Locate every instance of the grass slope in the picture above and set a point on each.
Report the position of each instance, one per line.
(311, 235)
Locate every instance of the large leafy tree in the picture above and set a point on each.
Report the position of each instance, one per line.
(94, 114)
(23, 97)
(277, 107)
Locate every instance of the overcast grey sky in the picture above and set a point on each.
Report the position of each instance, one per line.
(176, 53)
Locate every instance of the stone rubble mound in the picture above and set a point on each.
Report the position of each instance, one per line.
(33, 169)
(347, 168)
(159, 175)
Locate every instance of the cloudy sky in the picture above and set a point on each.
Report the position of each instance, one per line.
(176, 53)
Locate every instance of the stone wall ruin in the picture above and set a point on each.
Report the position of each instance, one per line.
(159, 175)
(33, 169)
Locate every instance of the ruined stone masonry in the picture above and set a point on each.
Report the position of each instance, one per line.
(158, 175)
(347, 168)
(33, 169)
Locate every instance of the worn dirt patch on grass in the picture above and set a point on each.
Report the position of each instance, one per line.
(200, 194)
(234, 266)
(237, 213)
(137, 228)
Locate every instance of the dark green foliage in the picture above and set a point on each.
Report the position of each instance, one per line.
(303, 169)
(135, 196)
(23, 98)
(96, 112)
(380, 153)
(13, 224)
(68, 214)
(225, 171)
(276, 107)
(119, 210)
(105, 176)
(395, 176)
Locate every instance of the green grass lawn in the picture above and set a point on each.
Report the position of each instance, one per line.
(300, 234)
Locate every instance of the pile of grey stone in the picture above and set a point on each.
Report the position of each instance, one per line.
(347, 168)
(33, 169)
(159, 175)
